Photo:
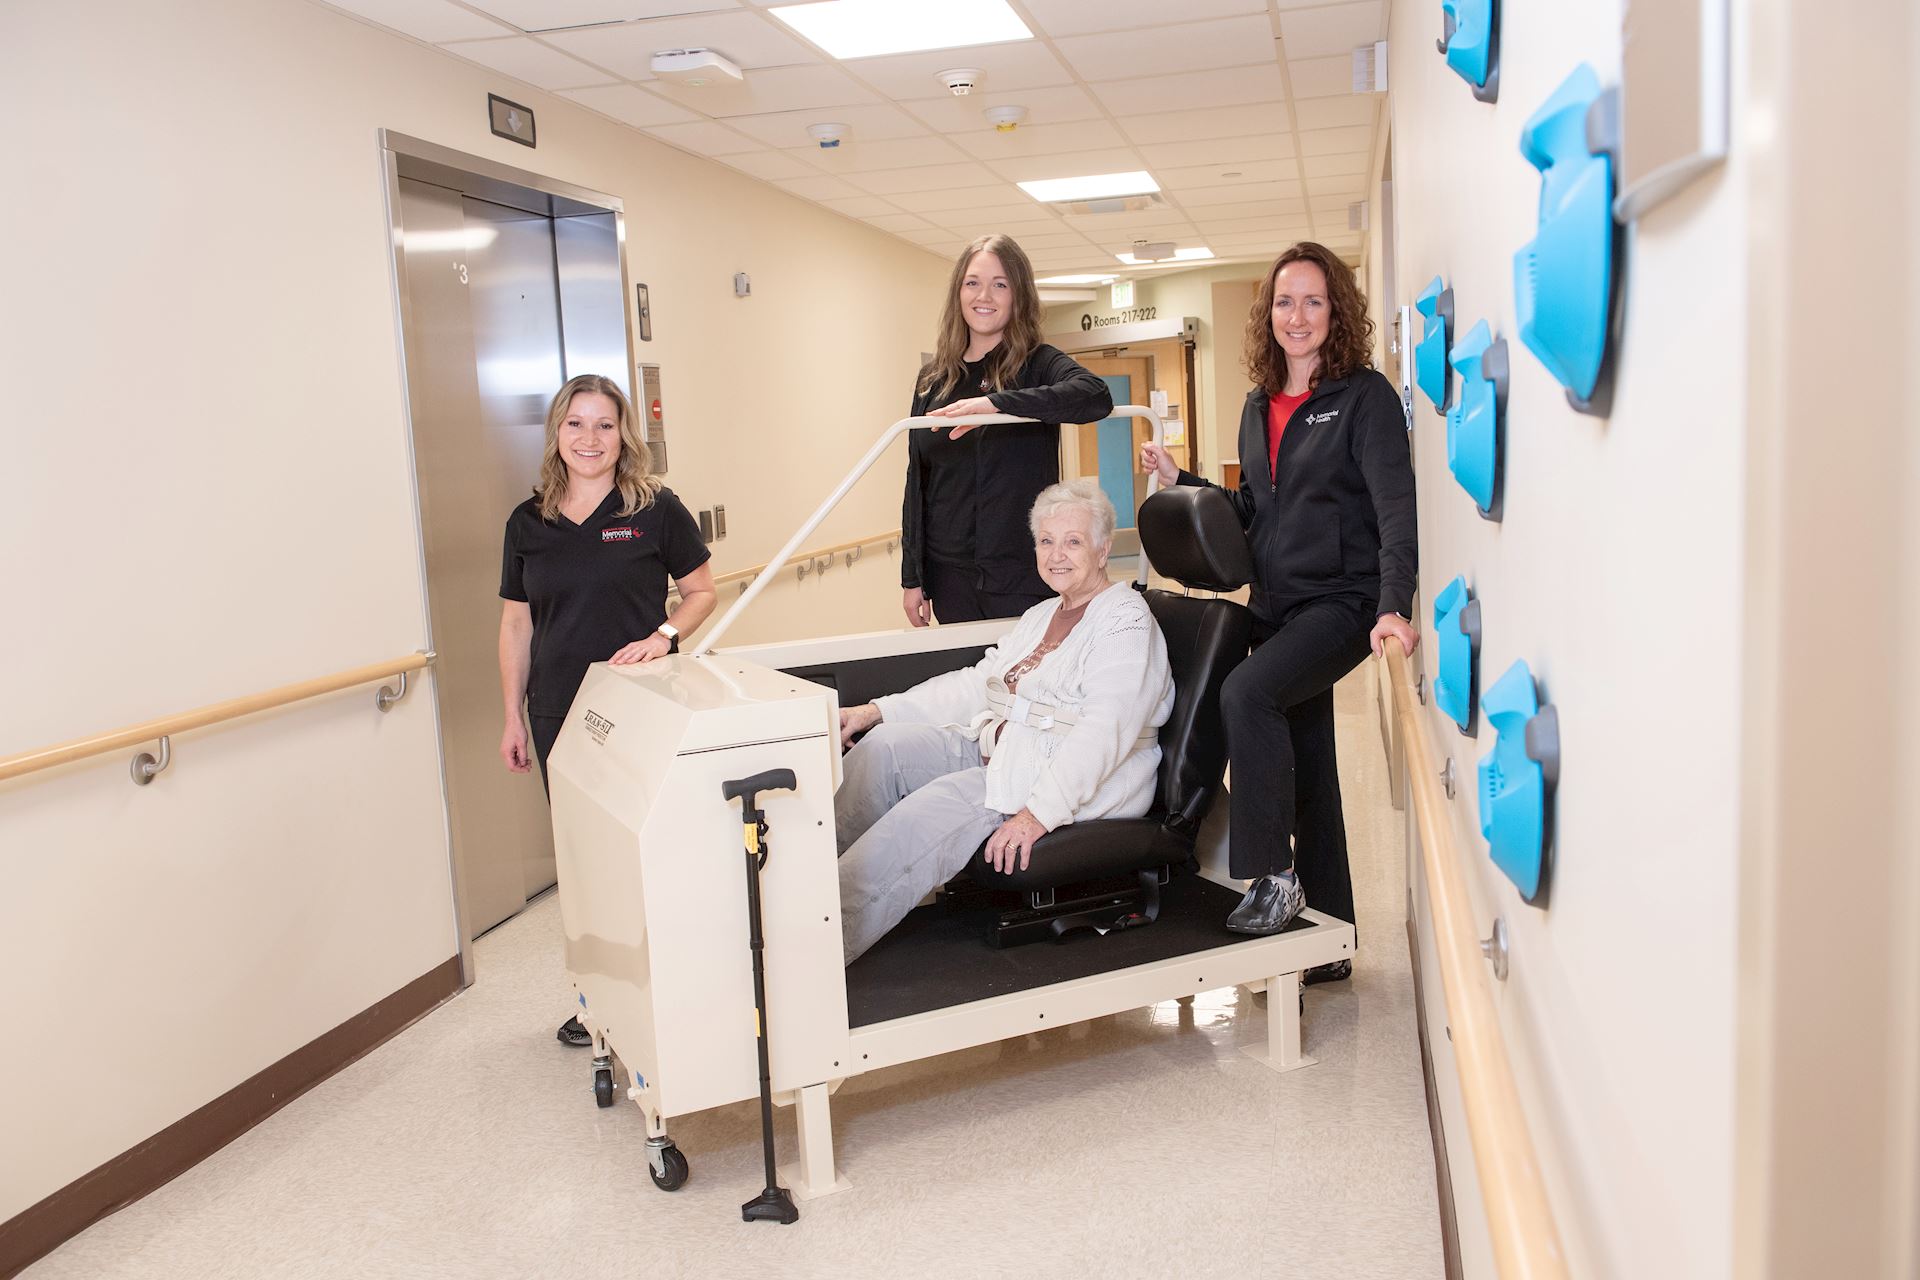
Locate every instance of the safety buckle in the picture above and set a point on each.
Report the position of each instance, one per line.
(1018, 708)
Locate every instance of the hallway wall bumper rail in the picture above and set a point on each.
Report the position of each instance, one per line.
(146, 766)
(816, 561)
(1526, 1241)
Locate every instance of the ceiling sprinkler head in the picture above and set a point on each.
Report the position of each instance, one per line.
(827, 135)
(1006, 119)
(961, 80)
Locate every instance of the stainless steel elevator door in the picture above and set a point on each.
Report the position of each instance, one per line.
(483, 356)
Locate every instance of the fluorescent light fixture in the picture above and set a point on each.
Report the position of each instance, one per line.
(1195, 254)
(1074, 280)
(869, 28)
(1095, 186)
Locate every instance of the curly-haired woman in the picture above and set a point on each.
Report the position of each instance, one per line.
(1330, 516)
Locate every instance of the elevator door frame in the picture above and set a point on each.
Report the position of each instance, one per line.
(404, 156)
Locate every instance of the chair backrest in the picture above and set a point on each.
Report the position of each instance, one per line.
(1193, 536)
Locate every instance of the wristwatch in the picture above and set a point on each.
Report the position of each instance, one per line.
(668, 630)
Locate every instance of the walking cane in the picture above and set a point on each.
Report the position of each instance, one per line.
(772, 1204)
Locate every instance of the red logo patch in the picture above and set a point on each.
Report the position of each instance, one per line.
(625, 534)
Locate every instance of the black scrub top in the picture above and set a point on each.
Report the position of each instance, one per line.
(593, 588)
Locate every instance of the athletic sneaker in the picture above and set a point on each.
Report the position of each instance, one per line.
(1270, 905)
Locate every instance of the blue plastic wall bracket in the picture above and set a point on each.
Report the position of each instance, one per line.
(1564, 279)
(1476, 422)
(1472, 44)
(1517, 780)
(1435, 305)
(1456, 630)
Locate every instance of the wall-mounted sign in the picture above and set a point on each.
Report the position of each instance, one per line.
(510, 120)
(1122, 294)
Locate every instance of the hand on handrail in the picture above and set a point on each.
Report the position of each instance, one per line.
(964, 409)
(1392, 624)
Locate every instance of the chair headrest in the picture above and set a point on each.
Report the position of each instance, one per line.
(1191, 535)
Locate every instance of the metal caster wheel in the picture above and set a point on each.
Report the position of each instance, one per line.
(603, 1087)
(668, 1168)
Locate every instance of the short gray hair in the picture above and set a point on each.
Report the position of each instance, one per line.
(1084, 494)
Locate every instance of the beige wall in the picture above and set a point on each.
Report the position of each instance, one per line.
(1617, 574)
(211, 495)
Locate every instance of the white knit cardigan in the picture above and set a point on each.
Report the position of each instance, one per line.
(1110, 672)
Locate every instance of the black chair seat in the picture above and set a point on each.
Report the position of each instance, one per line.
(1087, 851)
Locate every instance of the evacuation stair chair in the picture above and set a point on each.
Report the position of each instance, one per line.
(1107, 874)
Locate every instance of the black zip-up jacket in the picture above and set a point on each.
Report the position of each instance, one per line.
(1337, 515)
(1012, 464)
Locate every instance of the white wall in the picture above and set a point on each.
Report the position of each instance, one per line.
(1617, 575)
(210, 496)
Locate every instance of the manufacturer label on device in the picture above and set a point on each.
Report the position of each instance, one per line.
(599, 726)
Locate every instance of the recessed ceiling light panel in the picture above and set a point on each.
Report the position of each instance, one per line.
(1076, 280)
(870, 28)
(1095, 186)
(1195, 254)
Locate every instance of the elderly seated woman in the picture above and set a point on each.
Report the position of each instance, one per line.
(1058, 723)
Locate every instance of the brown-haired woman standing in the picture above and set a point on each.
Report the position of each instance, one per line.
(584, 574)
(1326, 496)
(965, 552)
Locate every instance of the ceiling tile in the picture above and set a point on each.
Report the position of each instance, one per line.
(1214, 175)
(1215, 122)
(1333, 166)
(1190, 46)
(705, 138)
(1101, 225)
(999, 196)
(817, 187)
(770, 165)
(1044, 107)
(892, 221)
(1347, 184)
(1322, 77)
(867, 207)
(929, 238)
(1276, 224)
(992, 216)
(1224, 152)
(1241, 241)
(1230, 86)
(1073, 17)
(431, 20)
(938, 177)
(527, 59)
(1045, 224)
(799, 88)
(538, 15)
(861, 155)
(1077, 164)
(748, 38)
(869, 122)
(1336, 29)
(629, 105)
(1333, 113)
(1266, 193)
(1039, 140)
(1005, 67)
(1051, 240)
(1251, 209)
(1327, 142)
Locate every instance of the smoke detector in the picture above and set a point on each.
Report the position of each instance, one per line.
(960, 81)
(827, 135)
(695, 67)
(1006, 119)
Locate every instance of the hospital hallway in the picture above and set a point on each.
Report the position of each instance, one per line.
(1142, 1144)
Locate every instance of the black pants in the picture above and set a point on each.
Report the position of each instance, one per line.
(1278, 707)
(546, 731)
(956, 597)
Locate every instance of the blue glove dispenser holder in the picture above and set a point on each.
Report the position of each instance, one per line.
(1435, 305)
(1517, 779)
(1472, 44)
(1456, 630)
(1477, 418)
(1564, 279)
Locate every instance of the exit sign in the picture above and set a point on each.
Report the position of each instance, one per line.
(1122, 293)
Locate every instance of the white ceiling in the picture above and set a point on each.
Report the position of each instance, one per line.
(1240, 109)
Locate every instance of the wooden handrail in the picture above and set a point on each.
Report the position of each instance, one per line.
(232, 709)
(1526, 1243)
(748, 575)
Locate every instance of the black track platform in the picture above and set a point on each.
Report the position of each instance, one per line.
(937, 958)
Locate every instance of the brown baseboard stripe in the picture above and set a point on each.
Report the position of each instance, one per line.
(127, 1177)
(1443, 1175)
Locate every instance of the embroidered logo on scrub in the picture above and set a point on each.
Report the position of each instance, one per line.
(1315, 419)
(626, 533)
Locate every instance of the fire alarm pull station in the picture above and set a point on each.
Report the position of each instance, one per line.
(653, 415)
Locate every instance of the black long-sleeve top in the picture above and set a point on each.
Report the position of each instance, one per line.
(1336, 515)
(967, 500)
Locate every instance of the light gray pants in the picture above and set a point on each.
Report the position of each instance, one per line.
(911, 810)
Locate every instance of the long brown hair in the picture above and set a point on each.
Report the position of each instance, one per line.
(1349, 345)
(1017, 340)
(632, 472)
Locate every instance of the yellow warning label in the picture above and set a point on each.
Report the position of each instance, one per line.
(756, 1024)
(753, 837)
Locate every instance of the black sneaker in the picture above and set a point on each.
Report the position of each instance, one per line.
(571, 1032)
(1338, 971)
(1270, 905)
